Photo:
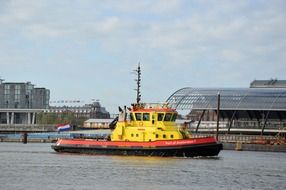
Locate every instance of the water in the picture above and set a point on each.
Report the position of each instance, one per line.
(37, 166)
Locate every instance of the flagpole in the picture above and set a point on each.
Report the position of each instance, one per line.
(217, 119)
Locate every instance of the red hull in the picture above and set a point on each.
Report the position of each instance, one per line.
(124, 144)
(177, 148)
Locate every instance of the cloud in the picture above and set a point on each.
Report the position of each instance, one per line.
(44, 30)
(146, 7)
(18, 11)
(191, 42)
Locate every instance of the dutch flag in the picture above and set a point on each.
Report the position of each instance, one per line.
(63, 127)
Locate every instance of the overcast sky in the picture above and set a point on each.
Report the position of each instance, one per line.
(87, 49)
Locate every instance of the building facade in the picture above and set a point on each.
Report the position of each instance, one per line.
(20, 102)
(260, 110)
(93, 110)
(23, 96)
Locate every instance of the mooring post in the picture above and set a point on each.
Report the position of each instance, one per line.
(217, 116)
(25, 138)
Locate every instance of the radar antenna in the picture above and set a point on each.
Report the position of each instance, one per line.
(138, 81)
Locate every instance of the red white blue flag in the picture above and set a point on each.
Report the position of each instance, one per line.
(63, 127)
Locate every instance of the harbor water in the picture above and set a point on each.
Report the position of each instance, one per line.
(36, 166)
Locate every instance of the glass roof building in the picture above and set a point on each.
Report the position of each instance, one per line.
(260, 104)
(231, 99)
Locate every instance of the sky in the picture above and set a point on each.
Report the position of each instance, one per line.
(87, 49)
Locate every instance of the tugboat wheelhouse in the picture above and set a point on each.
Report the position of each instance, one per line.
(148, 123)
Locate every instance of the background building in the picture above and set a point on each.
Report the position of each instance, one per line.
(93, 110)
(272, 83)
(20, 102)
(23, 96)
(40, 98)
(242, 110)
(74, 115)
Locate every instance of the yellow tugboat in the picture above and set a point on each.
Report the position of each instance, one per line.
(144, 130)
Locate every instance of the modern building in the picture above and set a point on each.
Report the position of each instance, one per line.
(23, 96)
(40, 98)
(20, 102)
(259, 110)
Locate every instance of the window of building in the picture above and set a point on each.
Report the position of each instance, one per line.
(157, 136)
(6, 93)
(6, 97)
(172, 136)
(7, 88)
(164, 136)
(17, 93)
(146, 116)
(137, 135)
(160, 116)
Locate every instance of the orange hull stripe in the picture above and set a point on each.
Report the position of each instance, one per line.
(93, 142)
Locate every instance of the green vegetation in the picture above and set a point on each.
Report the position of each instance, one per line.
(58, 118)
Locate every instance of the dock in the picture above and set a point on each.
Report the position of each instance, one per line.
(240, 142)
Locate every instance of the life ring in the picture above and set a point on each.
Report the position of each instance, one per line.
(140, 123)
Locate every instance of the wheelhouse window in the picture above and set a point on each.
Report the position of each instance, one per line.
(174, 117)
(168, 117)
(138, 116)
(160, 116)
(131, 117)
(146, 116)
